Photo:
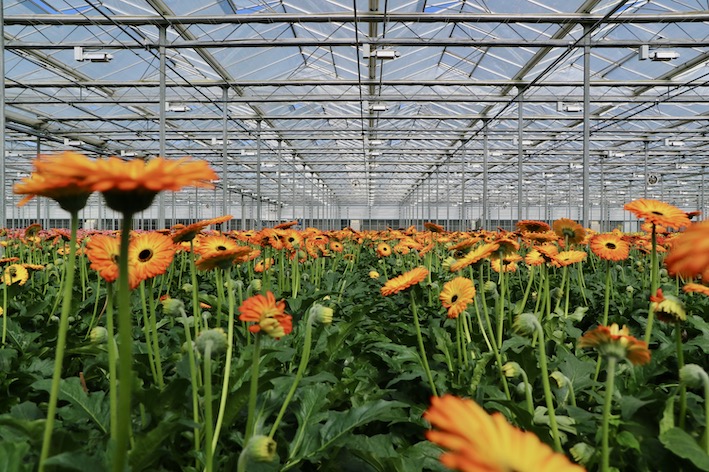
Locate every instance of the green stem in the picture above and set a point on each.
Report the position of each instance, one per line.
(495, 350)
(682, 387)
(307, 344)
(606, 297)
(156, 341)
(424, 360)
(61, 343)
(4, 312)
(547, 388)
(253, 391)
(125, 350)
(528, 393)
(227, 365)
(112, 356)
(610, 379)
(706, 414)
(527, 289)
(208, 426)
(653, 285)
(147, 334)
(196, 310)
(193, 379)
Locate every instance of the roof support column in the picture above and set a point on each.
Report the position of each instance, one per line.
(225, 142)
(448, 196)
(39, 209)
(162, 38)
(646, 156)
(3, 190)
(585, 203)
(259, 225)
(463, 161)
(278, 197)
(485, 209)
(520, 152)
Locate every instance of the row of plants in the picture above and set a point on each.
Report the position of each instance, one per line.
(398, 350)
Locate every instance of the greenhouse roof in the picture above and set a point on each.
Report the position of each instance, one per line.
(373, 102)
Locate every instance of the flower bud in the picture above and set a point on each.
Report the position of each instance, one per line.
(323, 314)
(173, 306)
(511, 369)
(255, 286)
(630, 289)
(693, 375)
(373, 274)
(526, 323)
(186, 287)
(260, 448)
(560, 379)
(99, 335)
(582, 452)
(216, 336)
(490, 287)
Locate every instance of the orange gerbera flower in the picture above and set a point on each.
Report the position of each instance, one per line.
(476, 441)
(475, 255)
(131, 186)
(506, 264)
(32, 230)
(188, 233)
(102, 250)
(566, 228)
(221, 258)
(149, 254)
(689, 256)
(269, 315)
(263, 265)
(610, 246)
(696, 288)
(62, 178)
(15, 274)
(657, 212)
(383, 250)
(215, 243)
(292, 239)
(616, 342)
(404, 281)
(286, 225)
(566, 258)
(532, 226)
(457, 295)
(336, 246)
(534, 258)
(433, 227)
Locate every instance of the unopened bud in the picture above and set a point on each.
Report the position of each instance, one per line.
(216, 336)
(173, 306)
(323, 314)
(99, 335)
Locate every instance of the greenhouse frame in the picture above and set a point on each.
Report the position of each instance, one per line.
(369, 114)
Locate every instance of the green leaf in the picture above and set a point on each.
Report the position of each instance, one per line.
(629, 405)
(146, 450)
(12, 455)
(668, 416)
(627, 440)
(91, 407)
(76, 460)
(684, 445)
(342, 422)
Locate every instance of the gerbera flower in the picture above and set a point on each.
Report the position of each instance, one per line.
(433, 227)
(545, 237)
(102, 251)
(692, 214)
(506, 264)
(476, 441)
(188, 233)
(269, 315)
(383, 250)
(689, 256)
(616, 342)
(15, 274)
(336, 246)
(696, 288)
(150, 254)
(286, 225)
(404, 281)
(668, 308)
(657, 212)
(475, 255)
(464, 244)
(534, 258)
(216, 243)
(610, 246)
(291, 239)
(264, 265)
(62, 178)
(532, 226)
(566, 258)
(131, 186)
(221, 258)
(566, 228)
(506, 246)
(32, 230)
(456, 295)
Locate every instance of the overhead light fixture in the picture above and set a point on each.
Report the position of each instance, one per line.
(614, 154)
(673, 142)
(246, 152)
(656, 54)
(91, 56)
(367, 52)
(73, 142)
(176, 107)
(375, 153)
(378, 107)
(569, 107)
(219, 142)
(375, 142)
(125, 153)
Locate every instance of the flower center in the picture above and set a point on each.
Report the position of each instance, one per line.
(221, 248)
(145, 255)
(610, 245)
(657, 213)
(454, 298)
